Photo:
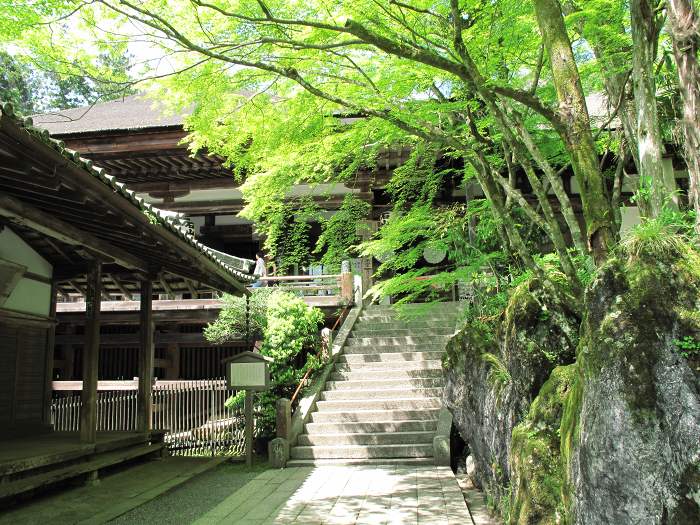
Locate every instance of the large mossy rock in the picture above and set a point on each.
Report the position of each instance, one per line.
(631, 426)
(536, 467)
(488, 400)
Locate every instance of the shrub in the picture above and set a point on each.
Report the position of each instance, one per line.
(289, 330)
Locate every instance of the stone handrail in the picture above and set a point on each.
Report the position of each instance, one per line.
(290, 426)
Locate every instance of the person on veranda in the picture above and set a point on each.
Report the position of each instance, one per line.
(260, 270)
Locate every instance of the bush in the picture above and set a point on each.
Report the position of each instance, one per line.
(289, 330)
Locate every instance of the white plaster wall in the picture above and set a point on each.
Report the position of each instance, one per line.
(31, 297)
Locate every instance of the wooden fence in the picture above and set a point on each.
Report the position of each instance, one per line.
(193, 413)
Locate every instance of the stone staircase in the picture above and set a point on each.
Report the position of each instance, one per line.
(383, 398)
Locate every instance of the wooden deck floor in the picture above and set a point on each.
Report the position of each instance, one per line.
(22, 453)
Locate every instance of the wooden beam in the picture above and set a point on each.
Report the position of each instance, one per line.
(189, 185)
(146, 357)
(166, 286)
(191, 338)
(120, 287)
(118, 145)
(91, 354)
(45, 223)
(78, 288)
(191, 288)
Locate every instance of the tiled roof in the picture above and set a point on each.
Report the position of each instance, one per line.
(131, 113)
(174, 223)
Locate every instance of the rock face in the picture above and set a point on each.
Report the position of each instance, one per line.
(613, 438)
(488, 398)
(631, 428)
(536, 467)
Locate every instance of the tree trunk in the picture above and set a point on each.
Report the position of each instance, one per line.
(653, 192)
(578, 139)
(685, 31)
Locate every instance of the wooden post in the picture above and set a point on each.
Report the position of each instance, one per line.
(346, 286)
(50, 349)
(91, 354)
(248, 407)
(146, 357)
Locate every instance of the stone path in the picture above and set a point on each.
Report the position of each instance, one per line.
(114, 495)
(391, 494)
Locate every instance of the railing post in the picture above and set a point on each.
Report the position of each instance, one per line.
(247, 321)
(346, 288)
(284, 417)
(278, 448)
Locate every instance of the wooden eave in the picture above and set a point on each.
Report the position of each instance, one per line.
(145, 156)
(73, 211)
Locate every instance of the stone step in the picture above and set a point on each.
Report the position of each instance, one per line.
(373, 416)
(379, 319)
(377, 384)
(390, 357)
(368, 427)
(405, 331)
(448, 305)
(363, 451)
(383, 393)
(359, 374)
(373, 438)
(379, 404)
(382, 349)
(428, 364)
(419, 323)
(396, 341)
(361, 461)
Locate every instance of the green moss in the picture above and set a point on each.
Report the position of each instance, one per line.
(569, 434)
(633, 306)
(538, 472)
(469, 343)
(651, 297)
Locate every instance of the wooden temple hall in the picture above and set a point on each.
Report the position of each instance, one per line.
(143, 149)
(66, 226)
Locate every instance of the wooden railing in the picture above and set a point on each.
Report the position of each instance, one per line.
(193, 413)
(304, 380)
(306, 285)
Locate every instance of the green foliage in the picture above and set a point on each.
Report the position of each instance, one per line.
(340, 232)
(290, 334)
(230, 324)
(687, 346)
(665, 237)
(498, 374)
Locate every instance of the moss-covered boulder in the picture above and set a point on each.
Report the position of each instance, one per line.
(630, 435)
(492, 376)
(536, 466)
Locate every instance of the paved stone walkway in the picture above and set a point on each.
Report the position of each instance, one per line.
(346, 495)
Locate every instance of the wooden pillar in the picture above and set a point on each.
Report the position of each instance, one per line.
(146, 357)
(50, 349)
(91, 354)
(248, 413)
